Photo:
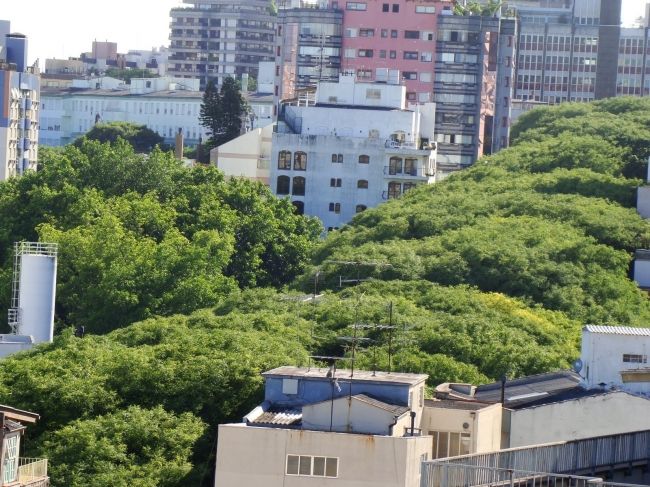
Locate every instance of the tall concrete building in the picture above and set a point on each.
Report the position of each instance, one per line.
(215, 39)
(19, 106)
(474, 73)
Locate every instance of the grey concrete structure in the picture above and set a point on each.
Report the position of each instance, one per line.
(215, 39)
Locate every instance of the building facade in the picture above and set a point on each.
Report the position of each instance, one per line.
(355, 148)
(214, 39)
(19, 106)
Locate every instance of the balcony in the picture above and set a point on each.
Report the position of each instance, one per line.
(32, 472)
(408, 147)
(412, 172)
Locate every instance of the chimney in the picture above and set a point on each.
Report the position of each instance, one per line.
(178, 150)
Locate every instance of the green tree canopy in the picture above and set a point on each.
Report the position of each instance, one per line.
(222, 111)
(142, 138)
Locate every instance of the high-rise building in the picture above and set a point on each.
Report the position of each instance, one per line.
(473, 90)
(215, 39)
(395, 38)
(19, 106)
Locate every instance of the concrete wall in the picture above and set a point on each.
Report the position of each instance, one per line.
(246, 156)
(348, 92)
(643, 201)
(601, 415)
(642, 272)
(250, 456)
(602, 357)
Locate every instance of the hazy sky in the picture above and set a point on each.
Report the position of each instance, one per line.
(64, 28)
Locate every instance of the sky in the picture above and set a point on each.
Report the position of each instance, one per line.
(65, 28)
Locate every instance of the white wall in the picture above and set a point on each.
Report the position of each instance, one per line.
(601, 415)
(246, 156)
(643, 201)
(251, 456)
(642, 272)
(347, 92)
(602, 357)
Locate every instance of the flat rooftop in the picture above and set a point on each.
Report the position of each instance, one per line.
(453, 404)
(120, 93)
(359, 375)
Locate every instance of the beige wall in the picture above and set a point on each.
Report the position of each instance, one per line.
(488, 426)
(250, 456)
(246, 156)
(613, 413)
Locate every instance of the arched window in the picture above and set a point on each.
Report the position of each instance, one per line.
(283, 185)
(362, 184)
(364, 159)
(300, 161)
(284, 159)
(394, 190)
(298, 186)
(361, 208)
(411, 167)
(395, 166)
(299, 207)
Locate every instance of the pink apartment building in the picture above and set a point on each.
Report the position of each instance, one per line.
(387, 39)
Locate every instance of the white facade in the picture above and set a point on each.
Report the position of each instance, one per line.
(246, 156)
(642, 269)
(598, 415)
(357, 147)
(37, 295)
(616, 357)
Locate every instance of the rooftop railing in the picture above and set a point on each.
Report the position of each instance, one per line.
(32, 472)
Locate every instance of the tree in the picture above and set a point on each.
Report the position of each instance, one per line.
(222, 112)
(474, 7)
(128, 74)
(142, 138)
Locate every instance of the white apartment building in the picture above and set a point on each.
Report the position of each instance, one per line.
(19, 106)
(355, 148)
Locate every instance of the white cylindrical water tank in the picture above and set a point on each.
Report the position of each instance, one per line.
(37, 291)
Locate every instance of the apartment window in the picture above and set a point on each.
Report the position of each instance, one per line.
(411, 34)
(362, 184)
(335, 207)
(450, 444)
(411, 55)
(300, 161)
(283, 185)
(299, 207)
(410, 75)
(393, 54)
(338, 158)
(350, 32)
(425, 77)
(393, 34)
(10, 461)
(361, 208)
(382, 53)
(298, 186)
(307, 465)
(366, 32)
(426, 57)
(364, 159)
(384, 32)
(335, 182)
(350, 53)
(395, 166)
(408, 186)
(396, 8)
(425, 9)
(284, 159)
(355, 6)
(631, 358)
(385, 7)
(411, 166)
(365, 53)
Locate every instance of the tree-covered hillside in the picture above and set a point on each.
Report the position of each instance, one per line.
(493, 271)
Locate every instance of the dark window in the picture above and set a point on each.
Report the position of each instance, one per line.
(299, 207)
(365, 53)
(385, 7)
(411, 55)
(473, 37)
(337, 158)
(394, 190)
(298, 186)
(336, 182)
(361, 208)
(284, 159)
(393, 54)
(454, 36)
(364, 159)
(393, 34)
(395, 8)
(411, 167)
(335, 207)
(395, 166)
(300, 161)
(362, 184)
(384, 32)
(408, 186)
(411, 34)
(283, 185)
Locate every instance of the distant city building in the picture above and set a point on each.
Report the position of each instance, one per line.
(19, 105)
(356, 147)
(214, 39)
(248, 156)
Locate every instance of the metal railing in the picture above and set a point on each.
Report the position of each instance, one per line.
(568, 457)
(32, 470)
(419, 171)
(452, 475)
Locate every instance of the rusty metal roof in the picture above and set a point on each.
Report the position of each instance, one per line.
(345, 374)
(284, 417)
(618, 330)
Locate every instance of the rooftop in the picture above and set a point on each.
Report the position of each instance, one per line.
(617, 330)
(359, 375)
(120, 93)
(285, 417)
(452, 404)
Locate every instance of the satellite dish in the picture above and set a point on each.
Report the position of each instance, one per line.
(577, 365)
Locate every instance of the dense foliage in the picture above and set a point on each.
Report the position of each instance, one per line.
(142, 138)
(491, 272)
(142, 235)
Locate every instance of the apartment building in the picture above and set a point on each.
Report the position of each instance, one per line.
(356, 147)
(308, 45)
(393, 38)
(473, 89)
(19, 105)
(357, 427)
(214, 39)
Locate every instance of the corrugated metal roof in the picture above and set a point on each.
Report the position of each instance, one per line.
(451, 404)
(529, 389)
(396, 410)
(283, 417)
(618, 330)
